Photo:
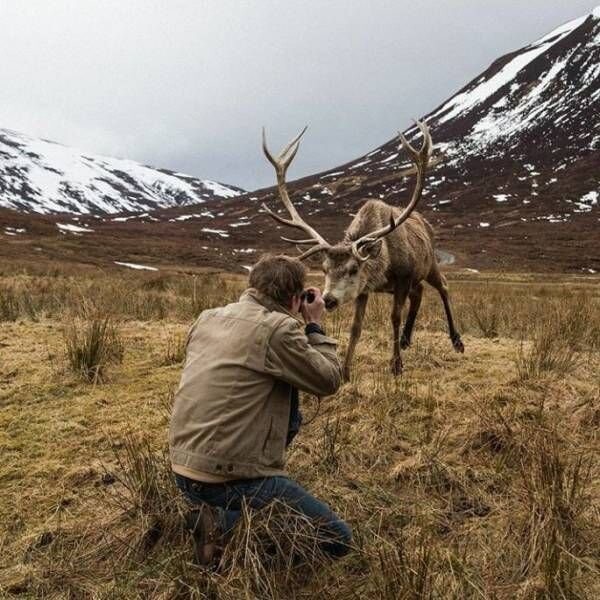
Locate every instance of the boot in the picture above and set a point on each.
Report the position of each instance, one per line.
(203, 525)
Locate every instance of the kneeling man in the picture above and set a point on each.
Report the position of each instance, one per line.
(236, 409)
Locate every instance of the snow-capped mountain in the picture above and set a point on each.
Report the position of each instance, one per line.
(524, 132)
(516, 186)
(45, 177)
(519, 150)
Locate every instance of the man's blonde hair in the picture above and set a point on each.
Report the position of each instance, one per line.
(278, 277)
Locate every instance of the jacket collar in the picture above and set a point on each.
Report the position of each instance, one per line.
(253, 295)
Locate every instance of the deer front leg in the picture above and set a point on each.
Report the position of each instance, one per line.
(438, 281)
(400, 294)
(360, 305)
(415, 295)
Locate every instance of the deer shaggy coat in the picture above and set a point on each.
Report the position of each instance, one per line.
(232, 408)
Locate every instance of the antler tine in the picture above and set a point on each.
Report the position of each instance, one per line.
(295, 142)
(358, 255)
(281, 164)
(285, 157)
(277, 217)
(266, 150)
(313, 250)
(427, 147)
(407, 145)
(420, 159)
(294, 241)
(427, 142)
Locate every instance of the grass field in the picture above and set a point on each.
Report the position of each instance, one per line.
(471, 476)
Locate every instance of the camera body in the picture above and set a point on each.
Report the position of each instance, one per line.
(308, 297)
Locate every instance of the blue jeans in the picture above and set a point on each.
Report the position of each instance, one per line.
(257, 493)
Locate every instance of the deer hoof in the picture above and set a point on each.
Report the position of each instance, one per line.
(404, 342)
(396, 366)
(457, 344)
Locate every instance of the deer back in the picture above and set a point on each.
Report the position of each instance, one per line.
(407, 252)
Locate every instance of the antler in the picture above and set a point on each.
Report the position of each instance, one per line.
(281, 164)
(420, 158)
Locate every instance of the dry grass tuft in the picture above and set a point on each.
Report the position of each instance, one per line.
(273, 552)
(556, 529)
(489, 315)
(174, 352)
(404, 571)
(92, 345)
(558, 338)
(9, 307)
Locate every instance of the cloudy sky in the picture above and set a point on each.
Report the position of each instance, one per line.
(187, 84)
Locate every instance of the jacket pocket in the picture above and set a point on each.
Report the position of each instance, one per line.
(274, 445)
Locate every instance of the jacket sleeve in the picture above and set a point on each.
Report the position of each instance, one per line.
(308, 362)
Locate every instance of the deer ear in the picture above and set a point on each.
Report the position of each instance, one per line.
(373, 249)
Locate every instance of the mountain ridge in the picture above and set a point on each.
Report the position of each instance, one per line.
(43, 176)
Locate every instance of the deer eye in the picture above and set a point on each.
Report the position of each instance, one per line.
(353, 270)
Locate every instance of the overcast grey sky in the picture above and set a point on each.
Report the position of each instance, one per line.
(187, 84)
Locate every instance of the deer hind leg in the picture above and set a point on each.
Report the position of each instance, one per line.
(438, 281)
(360, 305)
(399, 299)
(414, 296)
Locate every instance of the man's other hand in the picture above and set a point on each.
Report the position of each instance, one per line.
(313, 312)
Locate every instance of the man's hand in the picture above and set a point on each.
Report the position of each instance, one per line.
(313, 312)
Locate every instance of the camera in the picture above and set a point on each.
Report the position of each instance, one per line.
(308, 297)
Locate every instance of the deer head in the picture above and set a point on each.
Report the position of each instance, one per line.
(344, 264)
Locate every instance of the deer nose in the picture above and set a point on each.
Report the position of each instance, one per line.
(330, 301)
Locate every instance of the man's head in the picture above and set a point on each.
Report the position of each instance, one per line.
(278, 277)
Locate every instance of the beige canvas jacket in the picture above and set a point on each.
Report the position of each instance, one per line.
(231, 411)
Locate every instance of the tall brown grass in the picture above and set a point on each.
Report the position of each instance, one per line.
(174, 352)
(91, 346)
(554, 526)
(139, 543)
(559, 339)
(472, 476)
(490, 309)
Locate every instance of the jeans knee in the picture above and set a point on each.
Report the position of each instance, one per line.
(341, 543)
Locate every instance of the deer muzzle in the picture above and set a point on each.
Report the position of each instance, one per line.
(331, 302)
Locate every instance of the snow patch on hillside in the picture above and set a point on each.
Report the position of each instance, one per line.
(135, 266)
(484, 89)
(219, 232)
(72, 228)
